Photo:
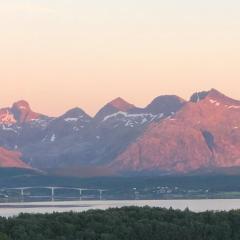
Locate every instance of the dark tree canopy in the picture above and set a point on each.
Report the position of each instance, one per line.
(128, 223)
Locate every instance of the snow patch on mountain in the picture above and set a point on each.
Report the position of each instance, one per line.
(7, 118)
(233, 107)
(77, 118)
(71, 119)
(143, 116)
(132, 119)
(53, 138)
(214, 102)
(22, 107)
(4, 128)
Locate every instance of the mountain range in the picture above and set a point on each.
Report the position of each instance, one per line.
(168, 136)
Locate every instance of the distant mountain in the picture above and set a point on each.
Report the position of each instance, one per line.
(20, 113)
(76, 139)
(61, 141)
(70, 123)
(116, 105)
(168, 104)
(19, 125)
(168, 136)
(204, 134)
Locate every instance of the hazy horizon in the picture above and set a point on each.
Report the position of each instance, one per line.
(61, 54)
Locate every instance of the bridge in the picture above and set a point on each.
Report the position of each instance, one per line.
(53, 190)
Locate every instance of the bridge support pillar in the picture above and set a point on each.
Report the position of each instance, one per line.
(53, 193)
(22, 194)
(80, 194)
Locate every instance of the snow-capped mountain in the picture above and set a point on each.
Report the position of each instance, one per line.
(170, 135)
(72, 122)
(122, 113)
(19, 125)
(77, 139)
(116, 105)
(19, 113)
(203, 135)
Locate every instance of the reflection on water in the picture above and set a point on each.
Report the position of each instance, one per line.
(13, 209)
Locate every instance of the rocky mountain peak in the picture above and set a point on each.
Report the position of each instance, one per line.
(213, 96)
(121, 104)
(166, 104)
(22, 104)
(23, 113)
(76, 113)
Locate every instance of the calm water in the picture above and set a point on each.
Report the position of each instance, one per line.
(12, 209)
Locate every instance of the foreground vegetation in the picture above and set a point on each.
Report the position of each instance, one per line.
(126, 223)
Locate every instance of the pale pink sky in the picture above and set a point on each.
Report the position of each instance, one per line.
(60, 54)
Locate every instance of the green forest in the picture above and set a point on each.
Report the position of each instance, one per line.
(128, 223)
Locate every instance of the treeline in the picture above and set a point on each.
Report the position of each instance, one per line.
(128, 223)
